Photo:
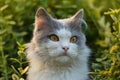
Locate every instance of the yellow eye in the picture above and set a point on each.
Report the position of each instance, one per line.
(73, 39)
(54, 37)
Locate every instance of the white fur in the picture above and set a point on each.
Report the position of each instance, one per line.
(53, 66)
(55, 48)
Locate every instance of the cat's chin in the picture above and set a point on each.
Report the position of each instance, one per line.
(63, 59)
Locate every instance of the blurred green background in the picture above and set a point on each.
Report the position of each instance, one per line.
(103, 34)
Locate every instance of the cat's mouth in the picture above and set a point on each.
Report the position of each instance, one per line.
(63, 58)
(64, 54)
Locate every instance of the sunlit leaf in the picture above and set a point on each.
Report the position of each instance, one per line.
(15, 77)
(3, 7)
(25, 70)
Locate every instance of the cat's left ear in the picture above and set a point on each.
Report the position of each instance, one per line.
(78, 19)
(79, 15)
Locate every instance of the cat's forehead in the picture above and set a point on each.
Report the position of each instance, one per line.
(59, 24)
(65, 27)
(64, 32)
(62, 28)
(68, 26)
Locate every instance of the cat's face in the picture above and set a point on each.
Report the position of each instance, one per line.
(59, 40)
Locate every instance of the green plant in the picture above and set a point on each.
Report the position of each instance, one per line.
(21, 69)
(108, 65)
(5, 21)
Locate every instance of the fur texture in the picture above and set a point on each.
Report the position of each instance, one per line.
(61, 59)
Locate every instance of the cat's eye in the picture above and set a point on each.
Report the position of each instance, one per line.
(54, 37)
(73, 39)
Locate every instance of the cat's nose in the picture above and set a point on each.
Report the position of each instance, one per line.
(65, 48)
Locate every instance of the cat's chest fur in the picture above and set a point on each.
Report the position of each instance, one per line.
(58, 48)
(73, 72)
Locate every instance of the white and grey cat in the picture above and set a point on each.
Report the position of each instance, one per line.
(58, 48)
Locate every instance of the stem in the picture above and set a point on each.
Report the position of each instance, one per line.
(119, 26)
(4, 62)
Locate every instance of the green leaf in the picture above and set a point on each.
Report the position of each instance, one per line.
(3, 7)
(17, 60)
(19, 44)
(11, 22)
(15, 70)
(8, 16)
(25, 70)
(15, 77)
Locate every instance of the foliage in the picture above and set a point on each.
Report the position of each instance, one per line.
(103, 34)
(107, 66)
(19, 72)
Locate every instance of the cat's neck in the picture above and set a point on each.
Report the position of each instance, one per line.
(56, 65)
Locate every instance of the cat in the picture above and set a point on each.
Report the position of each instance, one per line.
(58, 48)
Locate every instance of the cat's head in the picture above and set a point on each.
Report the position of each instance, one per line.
(59, 40)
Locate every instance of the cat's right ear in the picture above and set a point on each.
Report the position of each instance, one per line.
(42, 18)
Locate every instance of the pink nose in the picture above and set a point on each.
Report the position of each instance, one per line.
(65, 48)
